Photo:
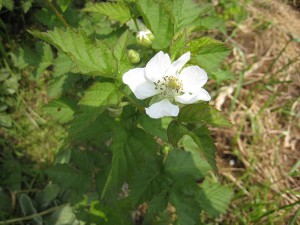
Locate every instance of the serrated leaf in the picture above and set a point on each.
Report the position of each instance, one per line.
(175, 132)
(203, 114)
(120, 54)
(187, 209)
(64, 4)
(61, 109)
(153, 127)
(95, 100)
(207, 52)
(200, 161)
(129, 150)
(156, 205)
(184, 12)
(45, 197)
(201, 137)
(179, 42)
(67, 177)
(90, 58)
(214, 198)
(180, 165)
(114, 11)
(83, 161)
(26, 5)
(9, 4)
(62, 64)
(147, 183)
(158, 19)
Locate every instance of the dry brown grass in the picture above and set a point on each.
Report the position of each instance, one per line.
(266, 135)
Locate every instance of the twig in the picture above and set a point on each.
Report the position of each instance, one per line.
(62, 19)
(33, 215)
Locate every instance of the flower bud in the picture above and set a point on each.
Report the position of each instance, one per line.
(145, 38)
(134, 57)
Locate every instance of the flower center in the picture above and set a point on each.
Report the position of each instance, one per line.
(169, 86)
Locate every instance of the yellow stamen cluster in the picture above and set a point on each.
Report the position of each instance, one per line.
(169, 86)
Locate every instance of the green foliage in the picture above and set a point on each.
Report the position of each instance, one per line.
(214, 198)
(9, 4)
(114, 157)
(158, 20)
(203, 114)
(89, 59)
(113, 10)
(96, 99)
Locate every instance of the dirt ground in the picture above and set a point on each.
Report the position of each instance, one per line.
(263, 103)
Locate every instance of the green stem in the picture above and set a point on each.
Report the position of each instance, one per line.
(62, 19)
(136, 24)
(132, 101)
(33, 215)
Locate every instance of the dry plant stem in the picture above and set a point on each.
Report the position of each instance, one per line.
(58, 13)
(33, 215)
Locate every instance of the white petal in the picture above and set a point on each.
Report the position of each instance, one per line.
(139, 85)
(157, 66)
(178, 64)
(188, 98)
(193, 78)
(162, 109)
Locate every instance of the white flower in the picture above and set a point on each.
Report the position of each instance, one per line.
(166, 79)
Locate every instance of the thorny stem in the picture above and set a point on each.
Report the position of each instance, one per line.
(62, 19)
(33, 215)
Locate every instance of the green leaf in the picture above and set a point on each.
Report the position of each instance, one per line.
(179, 42)
(67, 177)
(220, 75)
(175, 132)
(45, 197)
(157, 205)
(203, 114)
(28, 208)
(207, 52)
(61, 109)
(130, 149)
(9, 4)
(5, 120)
(201, 136)
(158, 19)
(147, 183)
(64, 4)
(26, 5)
(153, 127)
(83, 160)
(214, 198)
(114, 11)
(62, 216)
(187, 209)
(46, 58)
(6, 202)
(89, 58)
(120, 54)
(200, 161)
(184, 12)
(180, 165)
(96, 99)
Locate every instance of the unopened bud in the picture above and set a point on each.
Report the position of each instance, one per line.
(134, 57)
(145, 38)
